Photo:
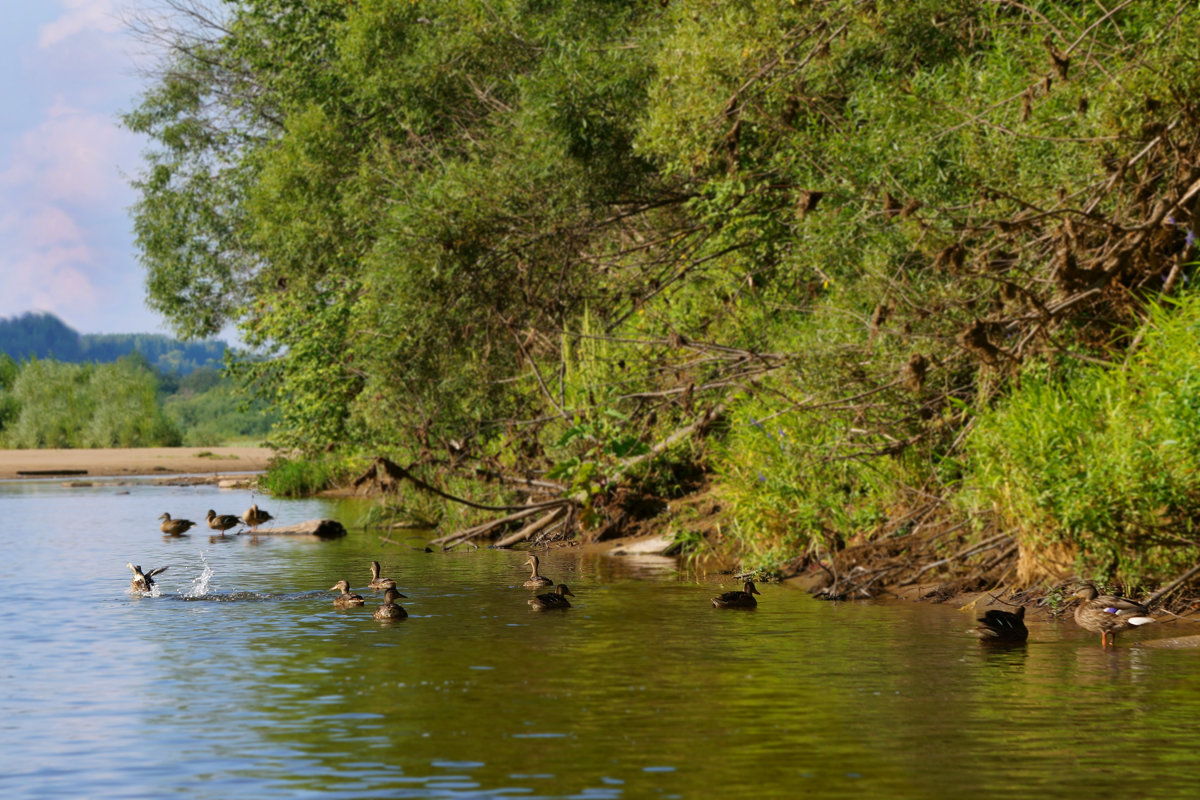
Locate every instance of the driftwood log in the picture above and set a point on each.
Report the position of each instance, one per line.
(320, 528)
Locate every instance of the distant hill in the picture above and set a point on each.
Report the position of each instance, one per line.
(42, 335)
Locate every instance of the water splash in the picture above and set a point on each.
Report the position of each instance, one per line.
(199, 587)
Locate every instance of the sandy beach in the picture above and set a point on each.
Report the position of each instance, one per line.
(17, 464)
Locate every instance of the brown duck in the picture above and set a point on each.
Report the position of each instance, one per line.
(256, 516)
(389, 609)
(743, 598)
(378, 582)
(142, 582)
(345, 599)
(221, 522)
(1002, 626)
(175, 527)
(535, 581)
(552, 600)
(1106, 614)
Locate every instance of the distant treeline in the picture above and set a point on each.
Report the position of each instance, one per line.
(42, 336)
(126, 403)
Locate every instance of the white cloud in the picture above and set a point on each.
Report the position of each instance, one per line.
(80, 16)
(70, 157)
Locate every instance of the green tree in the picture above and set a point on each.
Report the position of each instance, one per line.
(54, 405)
(10, 407)
(85, 405)
(125, 409)
(392, 195)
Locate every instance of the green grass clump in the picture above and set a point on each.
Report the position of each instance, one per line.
(299, 477)
(1105, 461)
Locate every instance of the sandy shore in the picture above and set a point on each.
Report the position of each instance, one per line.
(17, 464)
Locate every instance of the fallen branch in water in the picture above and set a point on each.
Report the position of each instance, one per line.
(532, 528)
(388, 475)
(486, 527)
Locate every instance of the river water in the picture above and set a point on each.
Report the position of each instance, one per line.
(242, 680)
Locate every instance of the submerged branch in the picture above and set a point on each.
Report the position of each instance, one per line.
(535, 527)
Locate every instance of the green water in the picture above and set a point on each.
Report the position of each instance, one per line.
(242, 680)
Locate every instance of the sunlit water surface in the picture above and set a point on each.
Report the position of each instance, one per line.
(241, 680)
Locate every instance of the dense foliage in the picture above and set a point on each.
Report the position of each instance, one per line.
(547, 235)
(47, 403)
(210, 408)
(43, 336)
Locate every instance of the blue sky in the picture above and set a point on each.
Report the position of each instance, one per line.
(66, 246)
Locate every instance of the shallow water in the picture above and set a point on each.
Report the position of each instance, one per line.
(241, 680)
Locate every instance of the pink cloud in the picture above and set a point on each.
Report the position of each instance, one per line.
(49, 224)
(64, 235)
(60, 175)
(68, 291)
(48, 280)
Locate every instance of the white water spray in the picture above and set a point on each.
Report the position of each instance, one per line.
(199, 587)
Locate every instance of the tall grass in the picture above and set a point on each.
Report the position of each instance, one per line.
(1103, 463)
(300, 477)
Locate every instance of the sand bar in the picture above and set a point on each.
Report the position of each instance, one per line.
(132, 461)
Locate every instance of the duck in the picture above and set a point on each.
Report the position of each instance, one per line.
(378, 582)
(175, 527)
(1002, 626)
(389, 609)
(552, 600)
(142, 582)
(221, 522)
(256, 516)
(1106, 614)
(345, 599)
(535, 581)
(743, 598)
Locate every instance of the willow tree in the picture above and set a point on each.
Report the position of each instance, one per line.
(393, 201)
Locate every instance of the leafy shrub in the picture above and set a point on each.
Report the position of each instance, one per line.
(1105, 461)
